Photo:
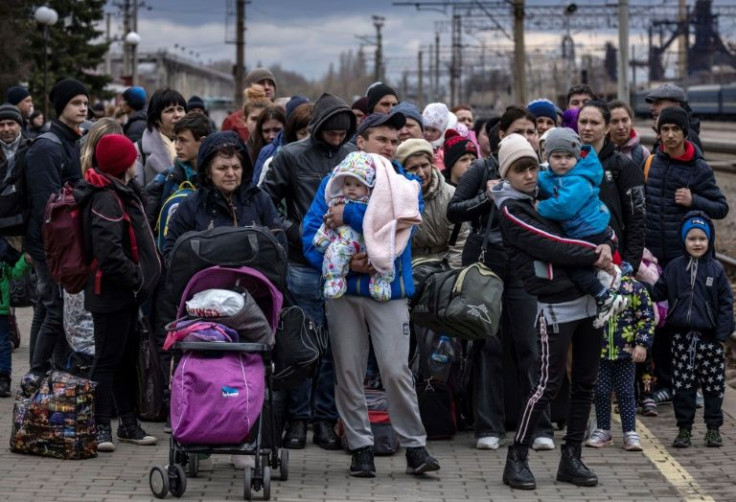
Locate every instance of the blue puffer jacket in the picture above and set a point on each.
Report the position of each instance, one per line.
(572, 199)
(402, 285)
(664, 217)
(699, 294)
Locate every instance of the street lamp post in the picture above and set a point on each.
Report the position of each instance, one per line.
(46, 17)
(133, 39)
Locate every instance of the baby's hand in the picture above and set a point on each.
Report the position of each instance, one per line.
(489, 186)
(639, 354)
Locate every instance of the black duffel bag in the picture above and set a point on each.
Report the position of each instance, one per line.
(300, 345)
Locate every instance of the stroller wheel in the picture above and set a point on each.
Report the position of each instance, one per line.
(247, 482)
(192, 465)
(266, 482)
(177, 480)
(158, 480)
(284, 464)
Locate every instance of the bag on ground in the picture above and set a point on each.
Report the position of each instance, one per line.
(385, 439)
(54, 416)
(300, 345)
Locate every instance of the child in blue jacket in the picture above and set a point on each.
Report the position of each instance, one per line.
(569, 190)
(701, 316)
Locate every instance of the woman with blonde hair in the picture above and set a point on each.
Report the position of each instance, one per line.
(100, 128)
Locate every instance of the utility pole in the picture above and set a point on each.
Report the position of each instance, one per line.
(420, 82)
(623, 51)
(430, 69)
(378, 23)
(519, 53)
(683, 43)
(108, 39)
(134, 48)
(437, 66)
(239, 52)
(126, 30)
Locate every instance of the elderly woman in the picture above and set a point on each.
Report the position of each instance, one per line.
(432, 237)
(226, 197)
(542, 257)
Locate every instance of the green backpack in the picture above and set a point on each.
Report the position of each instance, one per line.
(167, 211)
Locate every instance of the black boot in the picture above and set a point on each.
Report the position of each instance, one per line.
(572, 469)
(516, 474)
(4, 385)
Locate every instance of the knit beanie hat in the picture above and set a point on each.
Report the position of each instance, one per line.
(361, 104)
(410, 111)
(10, 112)
(135, 97)
(16, 94)
(455, 147)
(412, 147)
(294, 103)
(673, 115)
(695, 222)
(436, 115)
(512, 148)
(570, 119)
(359, 165)
(115, 154)
(64, 91)
(258, 75)
(542, 108)
(339, 121)
(562, 139)
(376, 92)
(195, 102)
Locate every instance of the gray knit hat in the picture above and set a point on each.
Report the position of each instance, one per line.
(562, 139)
(258, 75)
(10, 112)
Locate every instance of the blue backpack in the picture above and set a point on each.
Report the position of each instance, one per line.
(167, 210)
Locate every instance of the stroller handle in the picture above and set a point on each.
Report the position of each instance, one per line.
(224, 347)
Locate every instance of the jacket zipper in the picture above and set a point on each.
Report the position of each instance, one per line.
(690, 303)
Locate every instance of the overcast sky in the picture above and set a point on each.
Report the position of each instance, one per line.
(306, 35)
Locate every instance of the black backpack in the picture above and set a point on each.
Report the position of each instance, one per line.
(13, 189)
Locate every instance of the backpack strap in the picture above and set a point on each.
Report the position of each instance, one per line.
(139, 146)
(648, 166)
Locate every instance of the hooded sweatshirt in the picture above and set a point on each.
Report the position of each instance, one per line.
(697, 290)
(633, 148)
(297, 170)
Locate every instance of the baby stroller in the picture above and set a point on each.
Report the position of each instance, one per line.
(255, 363)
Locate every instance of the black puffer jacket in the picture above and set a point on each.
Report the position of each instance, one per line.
(298, 169)
(664, 217)
(49, 166)
(697, 291)
(126, 275)
(622, 190)
(207, 208)
(471, 203)
(537, 248)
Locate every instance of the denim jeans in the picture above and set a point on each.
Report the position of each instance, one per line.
(311, 400)
(518, 335)
(50, 339)
(6, 348)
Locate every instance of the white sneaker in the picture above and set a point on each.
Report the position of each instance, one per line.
(488, 443)
(543, 444)
(243, 461)
(599, 439)
(632, 442)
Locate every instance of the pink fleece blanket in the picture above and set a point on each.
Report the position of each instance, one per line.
(392, 210)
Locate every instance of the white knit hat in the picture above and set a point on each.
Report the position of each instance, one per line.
(411, 147)
(512, 148)
(436, 115)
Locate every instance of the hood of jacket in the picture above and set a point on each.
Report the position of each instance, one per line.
(711, 253)
(691, 156)
(588, 166)
(633, 141)
(325, 107)
(436, 184)
(504, 191)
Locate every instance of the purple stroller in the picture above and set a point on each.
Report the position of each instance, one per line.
(254, 359)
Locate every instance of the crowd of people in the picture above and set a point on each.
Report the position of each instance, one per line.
(589, 230)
